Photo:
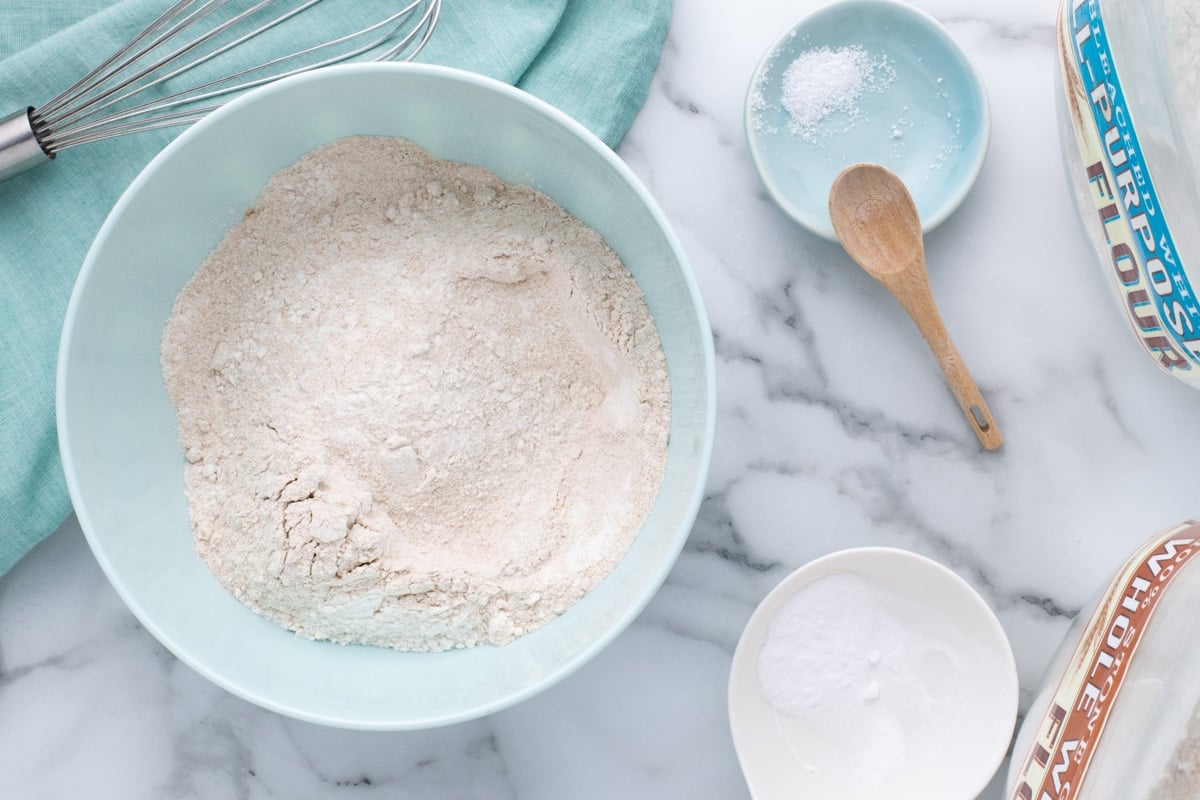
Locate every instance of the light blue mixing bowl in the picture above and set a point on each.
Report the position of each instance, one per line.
(117, 432)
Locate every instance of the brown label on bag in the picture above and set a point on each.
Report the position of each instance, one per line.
(1073, 723)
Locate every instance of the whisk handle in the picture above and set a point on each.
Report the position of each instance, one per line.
(19, 148)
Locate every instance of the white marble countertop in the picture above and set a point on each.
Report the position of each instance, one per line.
(834, 430)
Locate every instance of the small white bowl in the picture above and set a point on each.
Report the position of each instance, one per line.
(834, 751)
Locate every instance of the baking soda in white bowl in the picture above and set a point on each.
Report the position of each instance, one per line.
(869, 673)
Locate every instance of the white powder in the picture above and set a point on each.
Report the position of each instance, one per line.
(825, 82)
(884, 682)
(421, 408)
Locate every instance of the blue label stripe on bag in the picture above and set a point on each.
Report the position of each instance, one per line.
(1134, 194)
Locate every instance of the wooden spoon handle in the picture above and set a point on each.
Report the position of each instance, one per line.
(970, 400)
(917, 300)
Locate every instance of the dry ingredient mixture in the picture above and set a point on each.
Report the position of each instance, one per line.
(420, 407)
(883, 681)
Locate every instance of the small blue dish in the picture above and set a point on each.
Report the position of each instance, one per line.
(924, 114)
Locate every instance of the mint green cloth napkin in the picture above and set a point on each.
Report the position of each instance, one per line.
(591, 58)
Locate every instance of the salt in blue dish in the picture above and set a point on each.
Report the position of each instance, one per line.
(929, 125)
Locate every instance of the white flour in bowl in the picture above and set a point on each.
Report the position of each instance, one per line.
(421, 408)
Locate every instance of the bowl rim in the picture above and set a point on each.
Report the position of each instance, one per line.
(820, 224)
(706, 436)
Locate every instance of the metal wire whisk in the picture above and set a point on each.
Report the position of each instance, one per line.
(135, 89)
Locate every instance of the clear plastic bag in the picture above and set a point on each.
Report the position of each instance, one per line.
(1131, 78)
(1119, 712)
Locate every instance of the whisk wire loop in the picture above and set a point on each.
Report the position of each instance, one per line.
(90, 105)
(190, 33)
(93, 76)
(87, 132)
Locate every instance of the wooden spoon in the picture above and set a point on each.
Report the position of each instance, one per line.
(876, 221)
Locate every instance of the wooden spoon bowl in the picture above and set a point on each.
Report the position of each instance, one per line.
(876, 220)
